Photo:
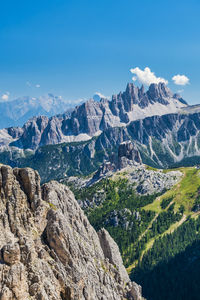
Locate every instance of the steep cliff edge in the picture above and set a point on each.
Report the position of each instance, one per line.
(49, 250)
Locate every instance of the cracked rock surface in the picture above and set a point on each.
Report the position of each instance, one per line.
(49, 250)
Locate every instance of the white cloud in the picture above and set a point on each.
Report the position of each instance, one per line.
(99, 95)
(180, 79)
(75, 101)
(5, 96)
(78, 101)
(37, 86)
(147, 76)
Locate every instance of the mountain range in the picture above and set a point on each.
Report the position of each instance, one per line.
(92, 117)
(160, 124)
(20, 110)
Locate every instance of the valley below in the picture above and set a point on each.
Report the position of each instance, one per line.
(157, 232)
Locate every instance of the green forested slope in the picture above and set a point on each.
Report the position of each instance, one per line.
(154, 233)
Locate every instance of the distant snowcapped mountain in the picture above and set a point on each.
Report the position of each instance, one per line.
(20, 110)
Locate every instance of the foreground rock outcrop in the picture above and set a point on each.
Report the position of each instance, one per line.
(49, 250)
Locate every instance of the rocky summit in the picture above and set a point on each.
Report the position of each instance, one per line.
(49, 250)
(127, 156)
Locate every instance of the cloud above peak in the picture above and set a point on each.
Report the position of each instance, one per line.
(146, 76)
(97, 96)
(180, 79)
(5, 96)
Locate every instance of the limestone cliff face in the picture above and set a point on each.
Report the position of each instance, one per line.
(49, 251)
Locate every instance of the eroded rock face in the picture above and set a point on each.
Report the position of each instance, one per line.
(11, 253)
(49, 250)
(128, 156)
(111, 251)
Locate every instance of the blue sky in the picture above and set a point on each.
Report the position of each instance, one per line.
(76, 48)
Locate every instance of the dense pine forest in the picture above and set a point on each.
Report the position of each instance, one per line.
(170, 269)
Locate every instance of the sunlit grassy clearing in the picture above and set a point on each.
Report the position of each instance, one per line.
(183, 193)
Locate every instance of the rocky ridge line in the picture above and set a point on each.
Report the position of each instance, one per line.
(49, 251)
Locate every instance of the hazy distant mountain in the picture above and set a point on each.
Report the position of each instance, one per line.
(20, 110)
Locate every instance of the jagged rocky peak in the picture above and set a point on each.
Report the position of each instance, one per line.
(159, 91)
(87, 117)
(31, 133)
(49, 250)
(127, 99)
(134, 91)
(128, 156)
(178, 97)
